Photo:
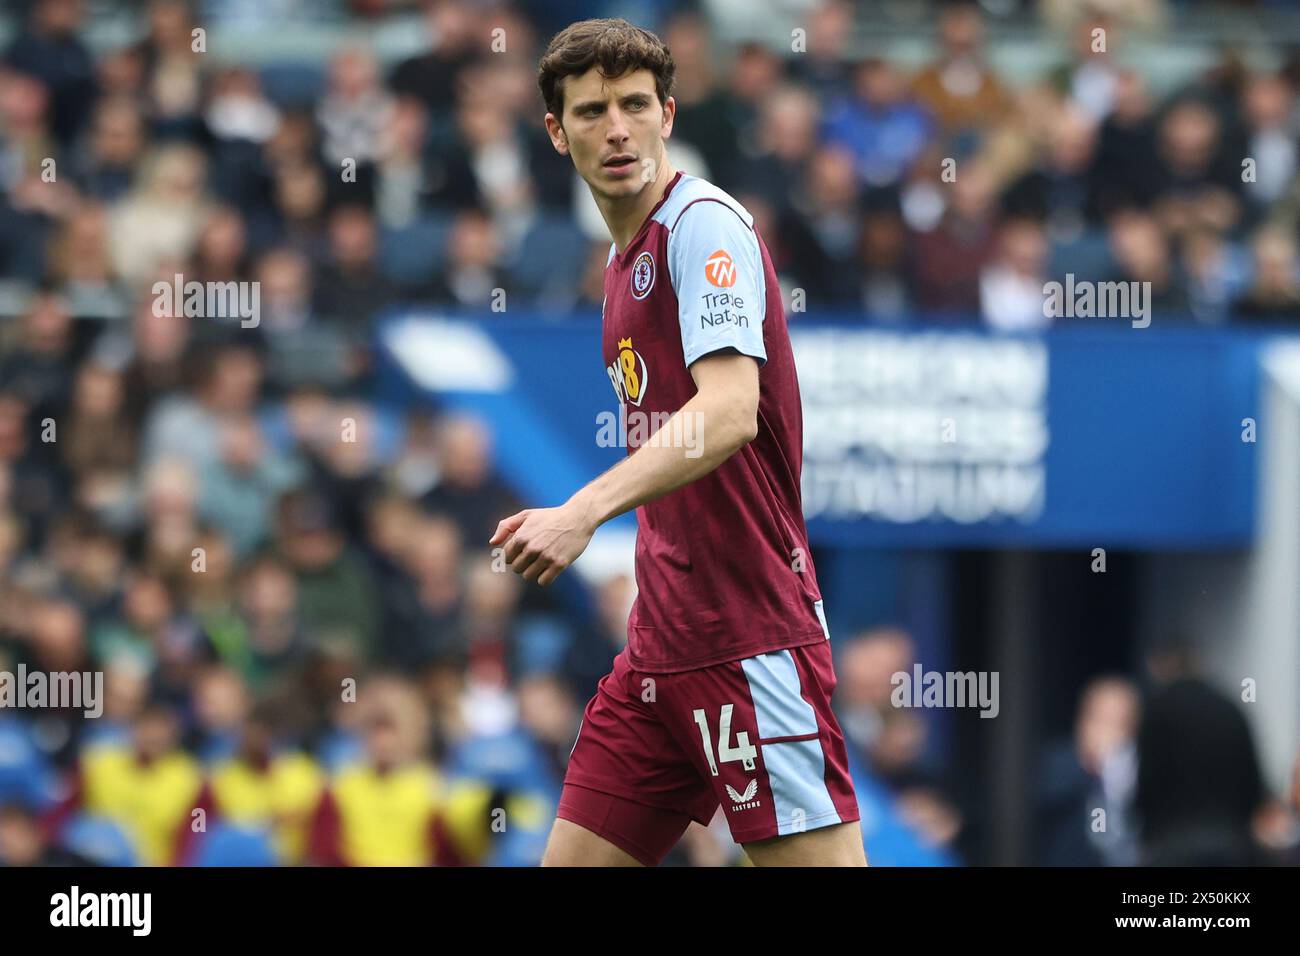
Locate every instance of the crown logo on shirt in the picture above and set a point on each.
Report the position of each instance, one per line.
(628, 373)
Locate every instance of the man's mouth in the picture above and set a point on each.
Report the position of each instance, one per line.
(621, 161)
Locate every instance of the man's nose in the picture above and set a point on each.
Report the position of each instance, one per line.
(618, 131)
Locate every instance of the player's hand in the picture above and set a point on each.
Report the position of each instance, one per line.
(541, 542)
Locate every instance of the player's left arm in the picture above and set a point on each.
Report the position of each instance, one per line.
(723, 352)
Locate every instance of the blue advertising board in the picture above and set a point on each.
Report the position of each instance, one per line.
(1090, 435)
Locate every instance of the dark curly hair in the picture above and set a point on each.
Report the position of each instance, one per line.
(613, 46)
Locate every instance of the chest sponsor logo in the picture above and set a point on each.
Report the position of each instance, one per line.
(720, 269)
(643, 275)
(628, 373)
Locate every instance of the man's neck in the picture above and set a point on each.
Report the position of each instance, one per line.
(625, 216)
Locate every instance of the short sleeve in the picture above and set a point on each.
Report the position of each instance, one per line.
(717, 272)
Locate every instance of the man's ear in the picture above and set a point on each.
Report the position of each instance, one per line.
(559, 139)
(670, 113)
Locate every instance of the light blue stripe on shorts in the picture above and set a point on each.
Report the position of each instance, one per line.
(796, 769)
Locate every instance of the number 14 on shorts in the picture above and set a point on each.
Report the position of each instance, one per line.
(743, 751)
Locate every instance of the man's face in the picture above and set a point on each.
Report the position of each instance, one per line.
(614, 129)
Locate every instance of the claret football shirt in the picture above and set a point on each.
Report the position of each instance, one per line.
(723, 568)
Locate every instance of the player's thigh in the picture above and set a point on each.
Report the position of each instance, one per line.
(628, 782)
(596, 828)
(573, 845)
(839, 845)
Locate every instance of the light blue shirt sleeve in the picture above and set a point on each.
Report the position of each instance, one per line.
(717, 273)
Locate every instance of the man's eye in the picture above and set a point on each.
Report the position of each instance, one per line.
(636, 105)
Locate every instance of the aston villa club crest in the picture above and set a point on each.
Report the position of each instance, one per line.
(643, 275)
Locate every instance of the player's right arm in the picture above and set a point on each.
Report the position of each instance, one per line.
(540, 543)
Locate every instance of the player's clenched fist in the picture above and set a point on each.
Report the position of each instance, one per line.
(541, 542)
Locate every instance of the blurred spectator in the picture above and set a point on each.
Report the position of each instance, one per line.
(786, 135)
(148, 786)
(1268, 109)
(880, 124)
(1091, 78)
(886, 272)
(1084, 803)
(1274, 292)
(38, 367)
(1011, 285)
(1198, 779)
(173, 68)
(1061, 189)
(706, 113)
(961, 91)
(473, 273)
(269, 643)
(1125, 144)
(496, 151)
(30, 483)
(467, 490)
(23, 841)
(1142, 253)
(336, 594)
(387, 808)
(1216, 272)
(348, 286)
(240, 491)
(118, 140)
(452, 29)
(593, 651)
(353, 112)
(402, 185)
(1199, 181)
(299, 194)
(80, 261)
(152, 352)
(220, 704)
(266, 785)
(50, 50)
(221, 251)
(825, 67)
(237, 108)
(227, 382)
(422, 608)
(906, 818)
(949, 258)
(823, 228)
(160, 220)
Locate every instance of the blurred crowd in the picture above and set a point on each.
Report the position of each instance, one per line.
(942, 193)
(308, 656)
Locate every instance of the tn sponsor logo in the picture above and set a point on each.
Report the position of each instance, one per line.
(720, 269)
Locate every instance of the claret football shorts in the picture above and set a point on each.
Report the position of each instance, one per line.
(656, 751)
